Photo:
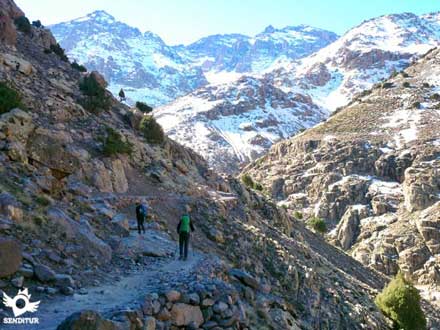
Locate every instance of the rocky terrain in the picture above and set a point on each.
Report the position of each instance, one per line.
(156, 73)
(371, 172)
(67, 208)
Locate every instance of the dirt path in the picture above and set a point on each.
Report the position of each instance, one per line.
(117, 295)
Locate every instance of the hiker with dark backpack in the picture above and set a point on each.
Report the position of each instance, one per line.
(141, 215)
(183, 229)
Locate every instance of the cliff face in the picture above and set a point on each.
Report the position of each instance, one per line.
(67, 214)
(371, 173)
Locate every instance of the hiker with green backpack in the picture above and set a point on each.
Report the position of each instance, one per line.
(183, 229)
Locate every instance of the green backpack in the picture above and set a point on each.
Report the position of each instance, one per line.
(184, 224)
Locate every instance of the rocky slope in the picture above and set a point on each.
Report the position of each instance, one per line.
(371, 171)
(66, 212)
(151, 71)
(292, 95)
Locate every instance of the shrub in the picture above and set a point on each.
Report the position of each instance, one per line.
(404, 74)
(298, 215)
(387, 85)
(57, 49)
(79, 67)
(97, 99)
(151, 130)
(145, 108)
(435, 97)
(42, 200)
(406, 84)
(258, 186)
(37, 23)
(416, 105)
(247, 180)
(425, 85)
(400, 301)
(317, 224)
(394, 73)
(23, 24)
(113, 144)
(9, 98)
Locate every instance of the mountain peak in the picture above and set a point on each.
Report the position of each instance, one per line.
(98, 15)
(269, 29)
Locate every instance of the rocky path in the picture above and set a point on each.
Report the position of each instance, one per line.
(123, 293)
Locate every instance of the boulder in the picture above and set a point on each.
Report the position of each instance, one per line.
(17, 63)
(173, 295)
(149, 323)
(119, 180)
(121, 224)
(10, 256)
(44, 273)
(87, 320)
(348, 228)
(244, 277)
(82, 233)
(16, 125)
(183, 315)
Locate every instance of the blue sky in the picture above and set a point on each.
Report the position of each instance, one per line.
(185, 21)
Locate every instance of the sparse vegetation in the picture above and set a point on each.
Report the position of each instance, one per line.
(37, 24)
(425, 85)
(57, 49)
(42, 200)
(152, 130)
(435, 97)
(400, 301)
(404, 74)
(247, 180)
(317, 224)
(258, 186)
(9, 98)
(96, 98)
(387, 85)
(79, 67)
(114, 144)
(22, 23)
(143, 107)
(406, 84)
(298, 215)
(416, 105)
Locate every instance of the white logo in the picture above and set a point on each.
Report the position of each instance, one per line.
(20, 304)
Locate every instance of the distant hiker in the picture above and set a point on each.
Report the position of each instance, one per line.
(141, 215)
(183, 229)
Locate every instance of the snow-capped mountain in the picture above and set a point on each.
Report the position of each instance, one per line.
(141, 63)
(151, 71)
(322, 81)
(231, 124)
(242, 54)
(363, 56)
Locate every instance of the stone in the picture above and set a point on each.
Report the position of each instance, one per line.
(183, 315)
(149, 323)
(194, 299)
(348, 228)
(17, 63)
(220, 307)
(18, 281)
(10, 208)
(64, 280)
(244, 277)
(163, 315)
(27, 272)
(44, 274)
(121, 224)
(87, 320)
(119, 180)
(10, 256)
(207, 302)
(173, 295)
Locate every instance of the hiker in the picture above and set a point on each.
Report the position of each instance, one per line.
(183, 229)
(141, 214)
